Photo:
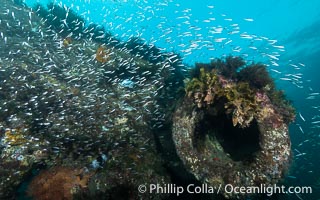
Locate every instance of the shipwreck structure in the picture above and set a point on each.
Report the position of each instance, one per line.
(231, 128)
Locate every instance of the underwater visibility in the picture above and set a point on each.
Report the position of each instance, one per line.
(144, 99)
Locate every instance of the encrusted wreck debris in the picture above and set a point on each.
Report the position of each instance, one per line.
(229, 130)
(75, 103)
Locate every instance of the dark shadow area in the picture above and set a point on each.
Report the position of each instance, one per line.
(240, 143)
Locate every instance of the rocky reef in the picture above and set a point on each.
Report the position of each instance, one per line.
(229, 129)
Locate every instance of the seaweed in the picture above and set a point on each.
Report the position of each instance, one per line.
(99, 34)
(147, 52)
(241, 104)
(242, 90)
(67, 23)
(238, 99)
(256, 75)
(228, 67)
(62, 19)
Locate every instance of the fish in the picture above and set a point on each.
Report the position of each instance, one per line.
(285, 79)
(301, 154)
(248, 19)
(276, 71)
(301, 129)
(300, 115)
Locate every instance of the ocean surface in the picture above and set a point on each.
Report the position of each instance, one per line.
(282, 34)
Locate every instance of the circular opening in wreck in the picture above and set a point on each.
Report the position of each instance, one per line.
(240, 144)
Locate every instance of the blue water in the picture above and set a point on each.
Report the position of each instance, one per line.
(294, 24)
